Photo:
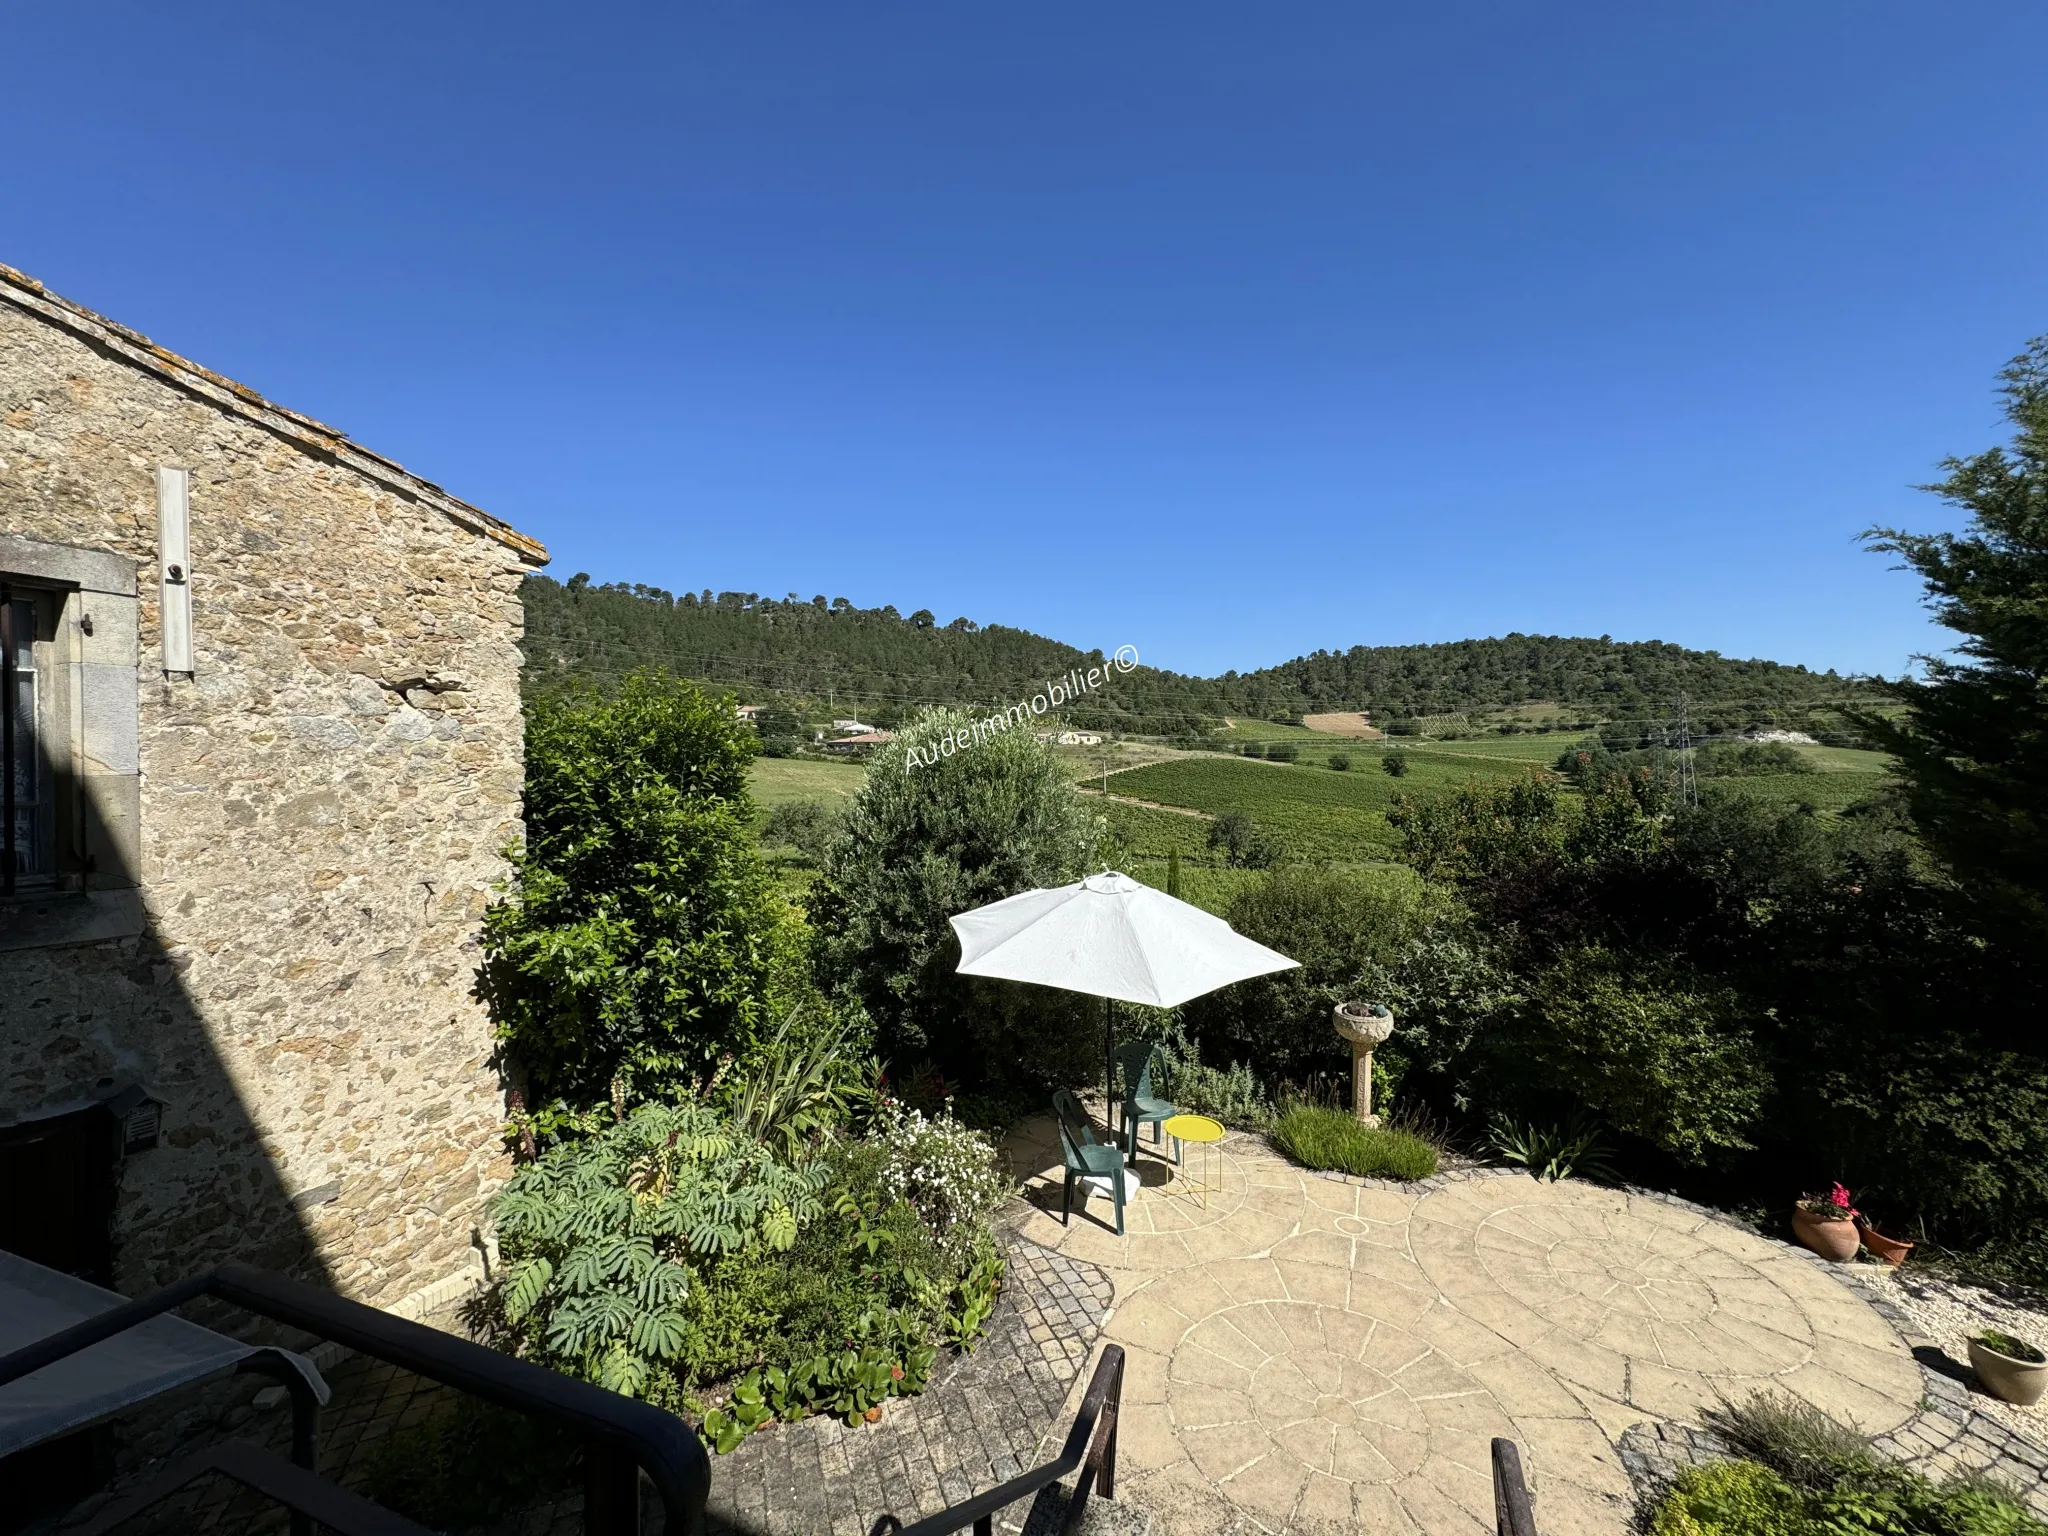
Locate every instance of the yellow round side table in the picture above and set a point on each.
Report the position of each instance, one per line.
(1200, 1131)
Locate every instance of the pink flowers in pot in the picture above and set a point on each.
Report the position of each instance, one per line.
(1836, 1205)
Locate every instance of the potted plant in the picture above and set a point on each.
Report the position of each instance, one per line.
(2008, 1367)
(1826, 1223)
(1892, 1250)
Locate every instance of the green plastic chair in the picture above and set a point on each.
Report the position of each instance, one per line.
(1142, 1106)
(1086, 1157)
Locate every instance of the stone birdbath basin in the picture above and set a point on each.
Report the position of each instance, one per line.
(1365, 1025)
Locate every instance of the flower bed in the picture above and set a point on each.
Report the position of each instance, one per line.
(673, 1257)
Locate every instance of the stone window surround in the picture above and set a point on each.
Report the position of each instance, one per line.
(96, 688)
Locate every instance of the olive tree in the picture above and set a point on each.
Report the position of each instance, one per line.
(947, 821)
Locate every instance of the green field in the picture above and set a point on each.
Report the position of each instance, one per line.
(1544, 750)
(1845, 760)
(1828, 793)
(776, 779)
(1311, 810)
(1270, 730)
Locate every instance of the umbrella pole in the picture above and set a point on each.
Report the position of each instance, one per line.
(1108, 1068)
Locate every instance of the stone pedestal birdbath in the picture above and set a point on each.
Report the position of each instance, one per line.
(1365, 1025)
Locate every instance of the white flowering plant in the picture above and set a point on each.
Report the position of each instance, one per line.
(945, 1172)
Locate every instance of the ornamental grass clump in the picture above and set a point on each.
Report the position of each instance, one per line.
(1319, 1137)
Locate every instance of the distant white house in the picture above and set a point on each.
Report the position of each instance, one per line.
(746, 711)
(851, 727)
(1079, 739)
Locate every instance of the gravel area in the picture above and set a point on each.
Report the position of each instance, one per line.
(1949, 1311)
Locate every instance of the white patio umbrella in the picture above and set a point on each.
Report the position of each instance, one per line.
(1110, 937)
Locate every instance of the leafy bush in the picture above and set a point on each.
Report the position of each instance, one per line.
(598, 1235)
(1242, 842)
(1341, 761)
(805, 825)
(670, 1256)
(920, 844)
(1282, 752)
(1660, 1051)
(943, 1171)
(1344, 927)
(1748, 759)
(1394, 765)
(1729, 1498)
(802, 1084)
(1230, 1094)
(641, 936)
(1318, 1137)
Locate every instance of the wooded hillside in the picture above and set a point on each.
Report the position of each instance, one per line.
(885, 663)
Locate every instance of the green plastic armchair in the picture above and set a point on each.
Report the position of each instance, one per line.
(1086, 1157)
(1142, 1106)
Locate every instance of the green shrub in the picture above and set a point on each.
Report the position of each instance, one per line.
(1341, 761)
(1230, 1094)
(1804, 1474)
(802, 1084)
(1318, 1137)
(1243, 843)
(921, 843)
(673, 1258)
(641, 937)
(1748, 759)
(1282, 752)
(804, 825)
(1656, 1049)
(1730, 1498)
(598, 1237)
(1552, 1152)
(1394, 765)
(1346, 928)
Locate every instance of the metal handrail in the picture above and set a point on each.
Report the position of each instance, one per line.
(1091, 1446)
(1512, 1515)
(620, 1434)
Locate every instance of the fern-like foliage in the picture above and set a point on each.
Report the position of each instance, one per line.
(598, 1236)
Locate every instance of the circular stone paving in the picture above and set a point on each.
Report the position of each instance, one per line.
(1322, 1357)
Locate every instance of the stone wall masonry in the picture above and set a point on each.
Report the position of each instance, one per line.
(323, 807)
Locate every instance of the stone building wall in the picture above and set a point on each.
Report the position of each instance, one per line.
(323, 805)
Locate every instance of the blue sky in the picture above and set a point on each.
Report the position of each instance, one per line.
(1229, 332)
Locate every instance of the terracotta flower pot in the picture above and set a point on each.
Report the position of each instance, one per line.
(2017, 1381)
(1835, 1241)
(1890, 1249)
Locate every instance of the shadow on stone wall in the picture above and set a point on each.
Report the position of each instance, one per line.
(78, 1026)
(97, 1027)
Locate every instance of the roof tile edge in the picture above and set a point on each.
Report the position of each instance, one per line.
(27, 293)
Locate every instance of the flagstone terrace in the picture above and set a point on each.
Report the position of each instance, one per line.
(1316, 1354)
